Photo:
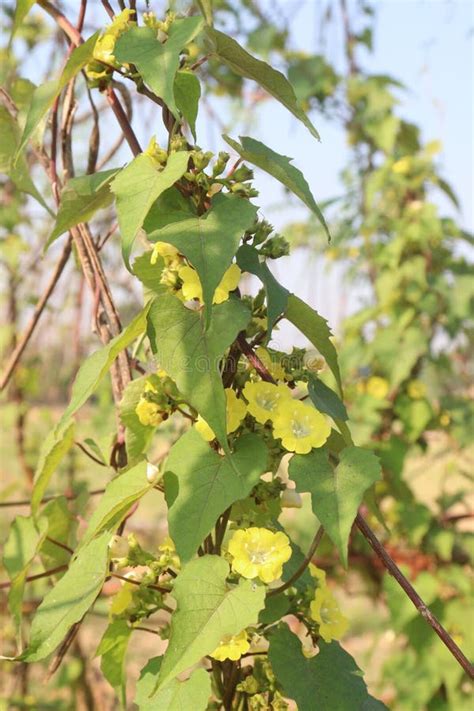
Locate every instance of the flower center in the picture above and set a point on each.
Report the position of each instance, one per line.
(325, 614)
(301, 428)
(259, 556)
(266, 401)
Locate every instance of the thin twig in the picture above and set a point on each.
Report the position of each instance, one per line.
(159, 588)
(407, 587)
(67, 27)
(300, 570)
(254, 359)
(108, 8)
(45, 499)
(89, 454)
(23, 341)
(124, 123)
(30, 578)
(60, 545)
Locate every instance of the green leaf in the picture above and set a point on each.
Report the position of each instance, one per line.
(243, 64)
(120, 494)
(280, 168)
(193, 693)
(137, 187)
(187, 92)
(69, 600)
(275, 608)
(149, 274)
(208, 609)
(21, 11)
(171, 206)
(336, 494)
(326, 400)
(137, 436)
(24, 539)
(201, 484)
(18, 172)
(206, 8)
(113, 648)
(157, 62)
(45, 95)
(316, 330)
(191, 355)
(80, 200)
(61, 524)
(211, 241)
(55, 447)
(277, 296)
(330, 681)
(96, 365)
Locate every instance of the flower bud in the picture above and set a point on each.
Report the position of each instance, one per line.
(291, 499)
(152, 473)
(118, 547)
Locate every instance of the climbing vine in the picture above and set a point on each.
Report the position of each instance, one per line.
(244, 618)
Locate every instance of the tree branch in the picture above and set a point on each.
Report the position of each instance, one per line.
(39, 308)
(407, 587)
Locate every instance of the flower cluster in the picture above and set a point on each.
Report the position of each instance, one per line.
(299, 425)
(183, 280)
(157, 400)
(104, 60)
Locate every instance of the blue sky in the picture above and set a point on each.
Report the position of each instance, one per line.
(428, 45)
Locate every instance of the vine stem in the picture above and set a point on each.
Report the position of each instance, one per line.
(35, 317)
(27, 502)
(30, 578)
(410, 591)
(304, 564)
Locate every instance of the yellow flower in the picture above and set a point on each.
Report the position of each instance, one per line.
(444, 419)
(232, 647)
(402, 166)
(318, 574)
(325, 611)
(259, 553)
(377, 387)
(158, 155)
(273, 367)
(229, 282)
(416, 389)
(264, 399)
(236, 410)
(167, 554)
(300, 427)
(104, 47)
(192, 288)
(148, 413)
(167, 251)
(123, 599)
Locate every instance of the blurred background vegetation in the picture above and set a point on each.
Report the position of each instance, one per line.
(395, 282)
